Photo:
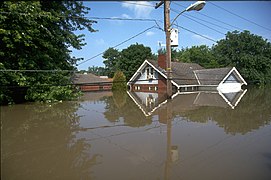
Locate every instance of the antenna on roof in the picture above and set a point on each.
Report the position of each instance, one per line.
(160, 44)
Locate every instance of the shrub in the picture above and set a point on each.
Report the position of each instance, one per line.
(119, 81)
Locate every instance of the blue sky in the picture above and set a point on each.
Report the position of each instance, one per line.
(113, 32)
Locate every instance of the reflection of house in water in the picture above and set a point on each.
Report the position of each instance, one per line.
(150, 102)
(216, 98)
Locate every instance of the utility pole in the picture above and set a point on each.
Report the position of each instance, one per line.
(168, 46)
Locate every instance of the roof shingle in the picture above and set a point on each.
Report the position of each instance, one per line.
(87, 78)
(212, 76)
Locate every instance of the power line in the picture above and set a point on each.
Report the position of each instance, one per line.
(208, 22)
(210, 17)
(35, 70)
(118, 44)
(196, 33)
(121, 19)
(211, 23)
(199, 22)
(89, 17)
(239, 16)
(221, 21)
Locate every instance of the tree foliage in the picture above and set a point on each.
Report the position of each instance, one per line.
(249, 53)
(111, 57)
(128, 60)
(37, 35)
(132, 57)
(98, 71)
(201, 55)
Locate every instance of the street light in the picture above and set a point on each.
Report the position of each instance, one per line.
(197, 6)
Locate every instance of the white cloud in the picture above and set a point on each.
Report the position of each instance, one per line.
(141, 9)
(149, 33)
(126, 16)
(120, 22)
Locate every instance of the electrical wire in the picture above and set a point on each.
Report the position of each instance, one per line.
(239, 16)
(207, 22)
(35, 70)
(210, 17)
(90, 17)
(118, 44)
(110, 82)
(199, 22)
(196, 33)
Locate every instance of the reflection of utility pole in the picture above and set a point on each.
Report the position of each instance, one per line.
(169, 159)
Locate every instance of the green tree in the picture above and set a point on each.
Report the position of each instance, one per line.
(37, 35)
(249, 53)
(201, 55)
(111, 61)
(132, 57)
(99, 71)
(119, 82)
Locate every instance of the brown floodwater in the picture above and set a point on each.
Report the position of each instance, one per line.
(105, 135)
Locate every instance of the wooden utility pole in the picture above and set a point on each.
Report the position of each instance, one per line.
(168, 47)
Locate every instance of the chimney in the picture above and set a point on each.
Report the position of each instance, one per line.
(162, 61)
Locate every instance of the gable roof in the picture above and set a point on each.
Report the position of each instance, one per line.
(189, 74)
(182, 73)
(211, 76)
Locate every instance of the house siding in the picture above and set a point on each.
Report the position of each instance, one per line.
(148, 86)
(143, 78)
(101, 87)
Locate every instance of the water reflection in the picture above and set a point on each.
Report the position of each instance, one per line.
(120, 106)
(37, 141)
(238, 112)
(122, 136)
(253, 111)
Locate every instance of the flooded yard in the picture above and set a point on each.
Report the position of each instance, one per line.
(203, 135)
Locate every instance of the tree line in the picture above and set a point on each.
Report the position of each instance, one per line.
(249, 53)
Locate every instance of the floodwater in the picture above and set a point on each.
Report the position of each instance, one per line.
(205, 135)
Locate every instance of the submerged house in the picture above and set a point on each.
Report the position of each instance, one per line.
(186, 77)
(90, 82)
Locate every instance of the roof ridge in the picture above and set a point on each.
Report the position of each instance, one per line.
(205, 69)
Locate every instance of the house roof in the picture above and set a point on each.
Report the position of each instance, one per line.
(182, 73)
(192, 74)
(88, 79)
(211, 76)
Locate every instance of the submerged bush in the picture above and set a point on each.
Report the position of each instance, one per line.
(119, 81)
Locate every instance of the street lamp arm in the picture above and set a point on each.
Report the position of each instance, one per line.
(197, 6)
(176, 18)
